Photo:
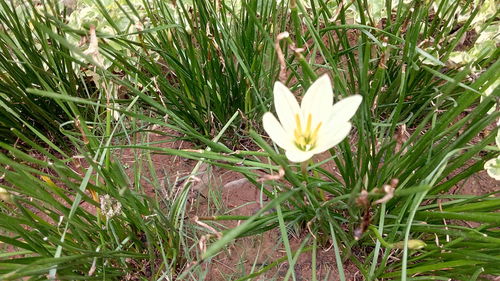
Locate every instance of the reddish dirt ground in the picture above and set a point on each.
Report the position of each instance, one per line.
(236, 193)
(243, 198)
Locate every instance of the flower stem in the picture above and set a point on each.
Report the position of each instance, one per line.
(308, 70)
(303, 168)
(322, 194)
(296, 22)
(379, 237)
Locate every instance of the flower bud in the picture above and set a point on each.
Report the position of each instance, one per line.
(260, 46)
(413, 244)
(169, 36)
(188, 29)
(5, 195)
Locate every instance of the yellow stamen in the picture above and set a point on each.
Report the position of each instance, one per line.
(305, 140)
(308, 128)
(298, 129)
(315, 133)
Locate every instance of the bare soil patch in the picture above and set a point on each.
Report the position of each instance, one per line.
(239, 197)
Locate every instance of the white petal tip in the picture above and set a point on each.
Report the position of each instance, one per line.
(324, 80)
(275, 131)
(278, 85)
(269, 122)
(355, 100)
(297, 156)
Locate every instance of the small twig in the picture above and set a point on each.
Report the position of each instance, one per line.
(80, 128)
(310, 231)
(389, 192)
(281, 173)
(444, 221)
(197, 221)
(329, 248)
(281, 56)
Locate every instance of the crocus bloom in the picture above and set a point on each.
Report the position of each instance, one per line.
(313, 127)
(492, 167)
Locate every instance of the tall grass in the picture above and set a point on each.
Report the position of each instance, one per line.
(238, 66)
(196, 67)
(31, 59)
(78, 217)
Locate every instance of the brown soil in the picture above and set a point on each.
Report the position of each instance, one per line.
(239, 197)
(170, 170)
(260, 250)
(477, 184)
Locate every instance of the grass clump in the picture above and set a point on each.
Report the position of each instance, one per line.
(76, 217)
(31, 59)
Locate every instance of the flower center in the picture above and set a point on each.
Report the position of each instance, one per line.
(305, 140)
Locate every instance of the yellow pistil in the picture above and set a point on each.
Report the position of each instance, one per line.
(306, 140)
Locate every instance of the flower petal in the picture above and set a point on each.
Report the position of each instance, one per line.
(286, 106)
(318, 100)
(343, 110)
(297, 156)
(331, 136)
(276, 132)
(492, 167)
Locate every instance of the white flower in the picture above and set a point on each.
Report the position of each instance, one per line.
(313, 127)
(492, 167)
